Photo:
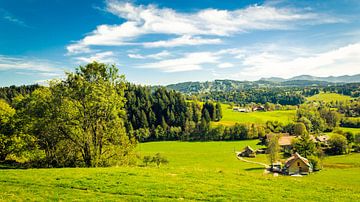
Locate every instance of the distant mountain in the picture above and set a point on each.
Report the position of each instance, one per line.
(331, 79)
(273, 79)
(230, 85)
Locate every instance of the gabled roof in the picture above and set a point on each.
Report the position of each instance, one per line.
(322, 138)
(286, 140)
(295, 157)
(248, 148)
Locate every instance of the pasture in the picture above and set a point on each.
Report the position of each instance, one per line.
(230, 117)
(196, 171)
(329, 97)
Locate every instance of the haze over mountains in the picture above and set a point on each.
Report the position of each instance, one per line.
(229, 85)
(332, 79)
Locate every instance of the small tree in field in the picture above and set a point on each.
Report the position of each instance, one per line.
(273, 149)
(158, 159)
(147, 160)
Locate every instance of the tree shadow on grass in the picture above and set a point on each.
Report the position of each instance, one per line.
(8, 164)
(258, 168)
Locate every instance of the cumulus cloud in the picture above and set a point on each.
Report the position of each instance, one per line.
(104, 57)
(182, 41)
(156, 56)
(188, 27)
(29, 64)
(336, 62)
(225, 65)
(189, 62)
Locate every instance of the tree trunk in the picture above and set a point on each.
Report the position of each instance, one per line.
(87, 155)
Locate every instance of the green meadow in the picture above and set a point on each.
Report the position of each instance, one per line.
(196, 171)
(329, 97)
(230, 117)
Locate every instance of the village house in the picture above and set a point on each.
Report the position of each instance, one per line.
(248, 152)
(237, 109)
(323, 139)
(258, 108)
(297, 164)
(285, 140)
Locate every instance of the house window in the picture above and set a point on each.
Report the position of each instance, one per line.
(298, 163)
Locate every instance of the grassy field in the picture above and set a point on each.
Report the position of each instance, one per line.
(231, 117)
(196, 171)
(328, 97)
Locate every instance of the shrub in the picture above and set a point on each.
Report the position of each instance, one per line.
(315, 162)
(158, 159)
(338, 144)
(147, 160)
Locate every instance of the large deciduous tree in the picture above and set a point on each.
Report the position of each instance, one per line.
(79, 121)
(92, 115)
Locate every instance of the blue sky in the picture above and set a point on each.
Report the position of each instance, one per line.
(163, 42)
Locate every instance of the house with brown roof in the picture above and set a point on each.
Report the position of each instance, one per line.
(248, 152)
(285, 140)
(297, 164)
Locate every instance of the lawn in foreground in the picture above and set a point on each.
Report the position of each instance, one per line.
(196, 171)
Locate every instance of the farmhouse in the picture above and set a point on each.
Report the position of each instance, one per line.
(259, 108)
(297, 165)
(248, 152)
(322, 139)
(285, 140)
(237, 109)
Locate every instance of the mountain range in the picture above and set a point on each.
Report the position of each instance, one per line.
(332, 79)
(229, 85)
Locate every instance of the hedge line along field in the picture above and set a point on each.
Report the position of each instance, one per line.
(196, 171)
(329, 97)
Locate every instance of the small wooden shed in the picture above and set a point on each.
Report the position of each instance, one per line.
(248, 152)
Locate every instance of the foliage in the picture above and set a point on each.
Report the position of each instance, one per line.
(300, 129)
(338, 144)
(79, 121)
(9, 93)
(158, 159)
(304, 145)
(315, 162)
(273, 149)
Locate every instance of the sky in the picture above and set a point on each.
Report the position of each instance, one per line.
(163, 42)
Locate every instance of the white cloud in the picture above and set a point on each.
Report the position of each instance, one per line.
(225, 65)
(336, 62)
(181, 41)
(29, 64)
(156, 56)
(142, 20)
(11, 18)
(104, 57)
(190, 62)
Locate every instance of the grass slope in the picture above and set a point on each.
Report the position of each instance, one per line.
(197, 171)
(329, 97)
(231, 117)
